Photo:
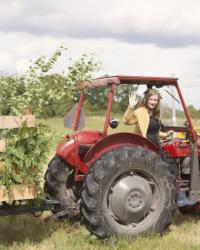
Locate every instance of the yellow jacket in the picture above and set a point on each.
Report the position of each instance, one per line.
(139, 118)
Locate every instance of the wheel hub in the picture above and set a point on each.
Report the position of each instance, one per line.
(134, 200)
(130, 199)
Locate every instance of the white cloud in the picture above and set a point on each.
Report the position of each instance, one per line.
(157, 37)
(161, 22)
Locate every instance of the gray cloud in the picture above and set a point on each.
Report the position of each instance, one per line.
(89, 19)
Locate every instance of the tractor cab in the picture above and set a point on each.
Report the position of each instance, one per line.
(118, 89)
(114, 92)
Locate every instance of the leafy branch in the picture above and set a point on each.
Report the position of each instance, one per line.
(26, 151)
(43, 90)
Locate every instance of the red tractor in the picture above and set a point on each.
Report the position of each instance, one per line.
(123, 185)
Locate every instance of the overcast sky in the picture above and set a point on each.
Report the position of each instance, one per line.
(157, 37)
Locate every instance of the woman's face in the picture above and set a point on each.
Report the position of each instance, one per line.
(152, 102)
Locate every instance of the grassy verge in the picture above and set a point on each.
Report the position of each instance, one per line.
(27, 232)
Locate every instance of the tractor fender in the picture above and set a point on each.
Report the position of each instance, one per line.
(68, 150)
(117, 140)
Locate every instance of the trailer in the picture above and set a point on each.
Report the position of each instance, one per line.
(22, 197)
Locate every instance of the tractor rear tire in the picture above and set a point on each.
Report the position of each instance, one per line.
(128, 191)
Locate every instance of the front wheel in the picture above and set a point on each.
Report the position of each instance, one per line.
(127, 192)
(57, 186)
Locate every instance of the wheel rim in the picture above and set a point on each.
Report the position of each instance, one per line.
(133, 199)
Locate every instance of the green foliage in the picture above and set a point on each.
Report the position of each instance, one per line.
(10, 94)
(121, 96)
(51, 94)
(195, 114)
(97, 98)
(81, 70)
(47, 93)
(26, 151)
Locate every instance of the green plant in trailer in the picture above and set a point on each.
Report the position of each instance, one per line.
(26, 151)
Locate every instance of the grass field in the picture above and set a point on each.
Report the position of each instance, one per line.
(28, 232)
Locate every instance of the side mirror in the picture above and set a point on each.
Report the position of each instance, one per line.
(113, 123)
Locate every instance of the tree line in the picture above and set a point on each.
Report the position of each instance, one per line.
(49, 94)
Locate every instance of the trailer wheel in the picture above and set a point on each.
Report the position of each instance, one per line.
(128, 191)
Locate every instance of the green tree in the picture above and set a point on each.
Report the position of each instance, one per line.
(194, 113)
(47, 93)
(11, 91)
(97, 98)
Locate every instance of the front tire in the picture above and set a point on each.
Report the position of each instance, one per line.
(127, 192)
(56, 177)
(57, 186)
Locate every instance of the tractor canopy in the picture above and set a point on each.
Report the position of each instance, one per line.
(137, 80)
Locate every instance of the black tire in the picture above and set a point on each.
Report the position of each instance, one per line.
(56, 176)
(147, 205)
(171, 163)
(57, 186)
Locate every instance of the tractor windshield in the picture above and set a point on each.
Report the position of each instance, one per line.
(98, 99)
(171, 110)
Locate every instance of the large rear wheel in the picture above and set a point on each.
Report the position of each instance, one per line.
(128, 191)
